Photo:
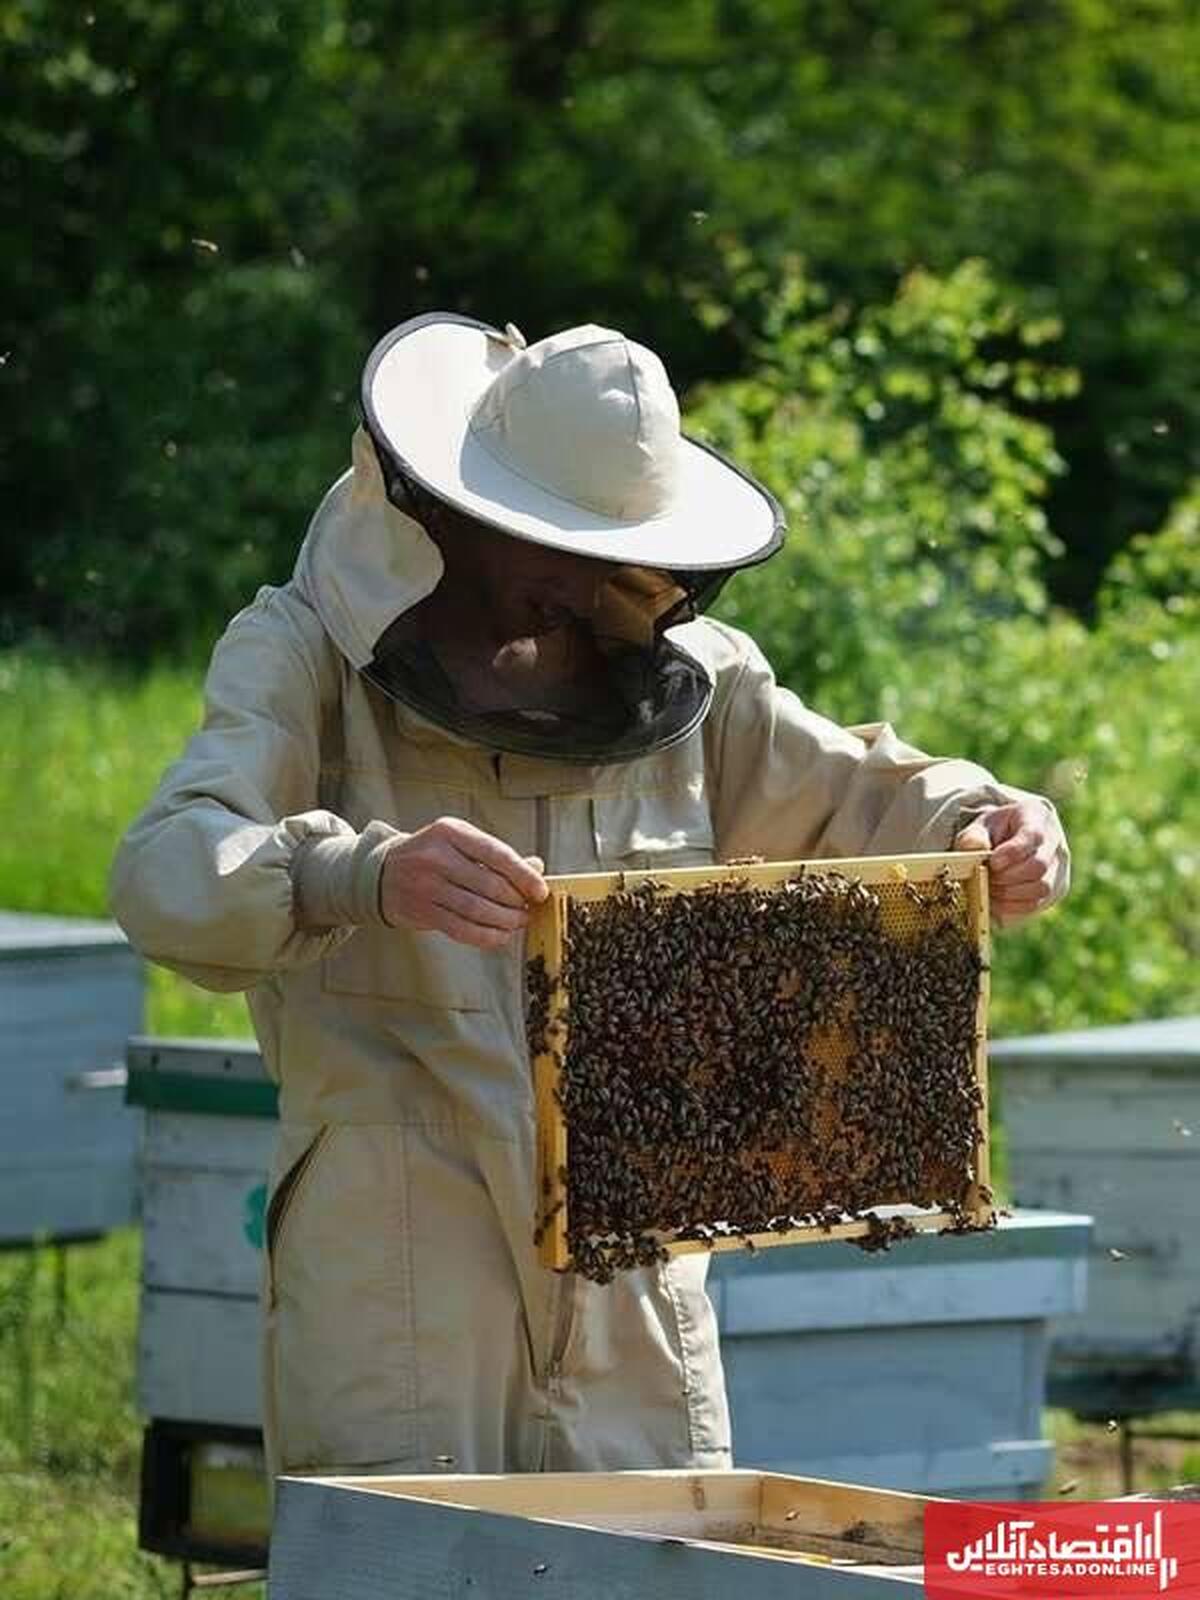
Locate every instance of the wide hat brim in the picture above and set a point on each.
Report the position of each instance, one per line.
(420, 386)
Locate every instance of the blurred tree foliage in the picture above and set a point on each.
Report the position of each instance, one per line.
(174, 365)
(913, 486)
(212, 210)
(909, 590)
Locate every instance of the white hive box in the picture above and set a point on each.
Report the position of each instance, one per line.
(1107, 1120)
(71, 992)
(210, 1114)
(921, 1369)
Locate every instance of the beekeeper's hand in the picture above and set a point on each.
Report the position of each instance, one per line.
(1028, 867)
(454, 877)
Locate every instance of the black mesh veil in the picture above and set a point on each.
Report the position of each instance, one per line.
(597, 688)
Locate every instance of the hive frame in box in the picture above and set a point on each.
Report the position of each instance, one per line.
(667, 1535)
(547, 935)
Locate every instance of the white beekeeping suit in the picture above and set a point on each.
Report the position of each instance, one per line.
(407, 1321)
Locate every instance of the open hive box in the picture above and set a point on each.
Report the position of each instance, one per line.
(759, 1054)
(654, 1535)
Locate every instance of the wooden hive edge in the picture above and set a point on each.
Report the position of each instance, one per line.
(743, 1510)
(980, 1205)
(843, 1512)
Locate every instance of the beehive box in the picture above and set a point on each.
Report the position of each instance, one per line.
(759, 1054)
(70, 993)
(921, 1369)
(210, 1121)
(1108, 1120)
(594, 1536)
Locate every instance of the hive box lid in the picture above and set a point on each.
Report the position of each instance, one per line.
(658, 1535)
(1031, 1267)
(216, 1077)
(1173, 1041)
(30, 933)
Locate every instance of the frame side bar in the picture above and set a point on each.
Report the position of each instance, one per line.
(981, 1207)
(546, 937)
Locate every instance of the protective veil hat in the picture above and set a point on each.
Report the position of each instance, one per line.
(573, 442)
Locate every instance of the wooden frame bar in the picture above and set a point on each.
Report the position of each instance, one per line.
(546, 938)
(547, 935)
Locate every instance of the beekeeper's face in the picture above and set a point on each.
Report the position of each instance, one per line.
(524, 589)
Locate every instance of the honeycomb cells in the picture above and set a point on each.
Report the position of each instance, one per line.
(742, 1059)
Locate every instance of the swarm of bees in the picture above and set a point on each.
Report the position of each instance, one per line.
(743, 1060)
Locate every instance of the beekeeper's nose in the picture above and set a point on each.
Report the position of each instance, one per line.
(577, 581)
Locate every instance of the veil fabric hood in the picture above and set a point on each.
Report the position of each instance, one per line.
(366, 565)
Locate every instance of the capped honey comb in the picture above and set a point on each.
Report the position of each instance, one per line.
(756, 1054)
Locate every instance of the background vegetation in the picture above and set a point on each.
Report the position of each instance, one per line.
(926, 267)
(216, 208)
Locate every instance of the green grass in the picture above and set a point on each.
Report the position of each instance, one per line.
(1087, 1459)
(69, 1434)
(81, 750)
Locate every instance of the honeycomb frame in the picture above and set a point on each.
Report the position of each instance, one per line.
(547, 937)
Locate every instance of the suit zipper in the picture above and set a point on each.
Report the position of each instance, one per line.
(541, 829)
(564, 1291)
(564, 1316)
(281, 1201)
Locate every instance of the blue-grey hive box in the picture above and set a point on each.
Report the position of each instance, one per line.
(921, 1369)
(1107, 1120)
(209, 1130)
(71, 993)
(210, 1113)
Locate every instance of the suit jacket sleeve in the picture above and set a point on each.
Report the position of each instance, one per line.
(789, 784)
(234, 871)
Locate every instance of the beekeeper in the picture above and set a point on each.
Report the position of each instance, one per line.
(491, 662)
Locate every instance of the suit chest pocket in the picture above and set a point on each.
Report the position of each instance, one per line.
(658, 828)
